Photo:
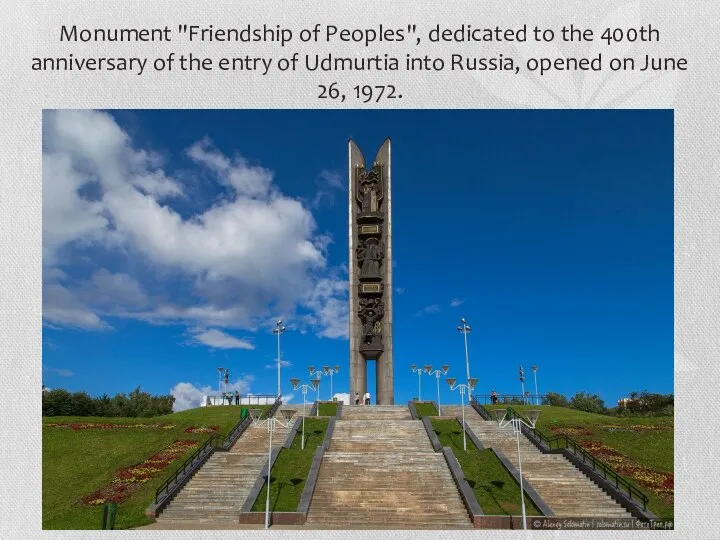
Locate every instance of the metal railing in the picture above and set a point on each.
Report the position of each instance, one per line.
(517, 399)
(564, 442)
(209, 446)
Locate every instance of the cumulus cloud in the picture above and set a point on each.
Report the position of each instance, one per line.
(250, 251)
(189, 396)
(344, 398)
(455, 302)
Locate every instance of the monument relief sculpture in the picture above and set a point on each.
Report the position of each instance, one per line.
(370, 253)
(370, 272)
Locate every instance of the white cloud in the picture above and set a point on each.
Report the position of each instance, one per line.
(59, 371)
(345, 398)
(328, 182)
(219, 340)
(455, 302)
(252, 249)
(434, 308)
(283, 364)
(287, 398)
(189, 396)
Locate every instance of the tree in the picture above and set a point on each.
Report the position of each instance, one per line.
(555, 399)
(587, 402)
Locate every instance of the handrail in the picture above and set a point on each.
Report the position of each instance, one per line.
(569, 444)
(213, 441)
(181, 470)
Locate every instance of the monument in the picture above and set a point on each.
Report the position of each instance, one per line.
(370, 268)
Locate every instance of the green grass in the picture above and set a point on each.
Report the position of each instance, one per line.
(327, 409)
(652, 449)
(76, 463)
(496, 490)
(290, 470)
(425, 408)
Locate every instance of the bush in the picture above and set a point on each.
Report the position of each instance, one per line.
(588, 403)
(140, 404)
(555, 399)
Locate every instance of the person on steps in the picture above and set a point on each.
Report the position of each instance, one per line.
(357, 398)
(367, 398)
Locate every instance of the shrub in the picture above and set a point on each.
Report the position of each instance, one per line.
(555, 399)
(588, 403)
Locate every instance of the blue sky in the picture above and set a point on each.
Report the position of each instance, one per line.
(172, 240)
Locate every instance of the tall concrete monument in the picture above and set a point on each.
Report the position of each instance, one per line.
(370, 273)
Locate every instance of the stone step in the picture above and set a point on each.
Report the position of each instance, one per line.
(565, 489)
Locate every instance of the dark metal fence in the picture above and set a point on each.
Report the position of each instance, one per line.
(513, 399)
(566, 443)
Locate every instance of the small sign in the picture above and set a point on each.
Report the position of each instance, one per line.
(370, 229)
(370, 288)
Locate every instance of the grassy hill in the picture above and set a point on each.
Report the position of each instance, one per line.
(640, 448)
(78, 462)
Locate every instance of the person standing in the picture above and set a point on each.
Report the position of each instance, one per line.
(237, 397)
(357, 398)
(367, 398)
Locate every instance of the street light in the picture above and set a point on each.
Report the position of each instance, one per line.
(537, 396)
(316, 382)
(463, 387)
(279, 329)
(522, 383)
(220, 374)
(465, 329)
(517, 424)
(419, 372)
(305, 387)
(271, 425)
(330, 371)
(437, 373)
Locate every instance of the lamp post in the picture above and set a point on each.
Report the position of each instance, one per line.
(463, 387)
(279, 329)
(330, 371)
(220, 374)
(517, 424)
(465, 329)
(316, 382)
(271, 426)
(437, 373)
(522, 384)
(419, 372)
(305, 387)
(537, 396)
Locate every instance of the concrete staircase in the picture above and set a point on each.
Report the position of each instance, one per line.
(380, 472)
(219, 488)
(566, 490)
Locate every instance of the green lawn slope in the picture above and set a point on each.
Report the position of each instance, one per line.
(76, 463)
(643, 446)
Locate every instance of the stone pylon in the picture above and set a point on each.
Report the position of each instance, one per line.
(370, 268)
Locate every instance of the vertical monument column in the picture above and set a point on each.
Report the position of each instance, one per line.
(370, 267)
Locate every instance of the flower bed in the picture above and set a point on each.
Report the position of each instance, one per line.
(637, 428)
(128, 479)
(77, 426)
(203, 429)
(570, 431)
(660, 483)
